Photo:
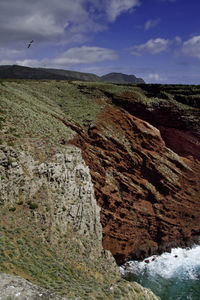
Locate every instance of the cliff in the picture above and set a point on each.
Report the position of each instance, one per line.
(143, 153)
(89, 164)
(121, 78)
(51, 233)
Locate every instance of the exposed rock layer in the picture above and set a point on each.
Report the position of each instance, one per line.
(149, 195)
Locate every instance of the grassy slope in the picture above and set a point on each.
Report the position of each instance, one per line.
(71, 273)
(33, 110)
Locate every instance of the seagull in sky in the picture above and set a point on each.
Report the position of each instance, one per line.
(30, 43)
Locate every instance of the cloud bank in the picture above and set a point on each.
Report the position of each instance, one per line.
(54, 20)
(74, 56)
(152, 46)
(191, 47)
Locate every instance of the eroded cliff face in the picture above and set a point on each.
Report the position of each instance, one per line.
(146, 178)
(50, 231)
(59, 191)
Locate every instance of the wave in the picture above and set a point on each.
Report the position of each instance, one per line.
(174, 275)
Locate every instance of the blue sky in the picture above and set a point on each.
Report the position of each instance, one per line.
(158, 40)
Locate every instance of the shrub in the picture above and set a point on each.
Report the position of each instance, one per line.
(12, 208)
(19, 242)
(33, 205)
(20, 202)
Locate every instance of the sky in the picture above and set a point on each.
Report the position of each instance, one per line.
(158, 40)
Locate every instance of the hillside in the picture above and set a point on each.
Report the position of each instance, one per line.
(21, 72)
(89, 168)
(121, 78)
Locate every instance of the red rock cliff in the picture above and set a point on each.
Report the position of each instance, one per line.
(145, 165)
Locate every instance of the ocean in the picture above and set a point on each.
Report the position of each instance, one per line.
(171, 276)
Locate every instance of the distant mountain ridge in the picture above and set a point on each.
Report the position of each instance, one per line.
(121, 78)
(21, 72)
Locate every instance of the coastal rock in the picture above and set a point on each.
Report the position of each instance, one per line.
(149, 193)
(67, 182)
(56, 199)
(15, 287)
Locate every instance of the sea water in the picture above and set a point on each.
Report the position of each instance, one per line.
(171, 276)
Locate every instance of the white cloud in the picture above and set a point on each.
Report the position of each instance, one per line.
(29, 62)
(38, 24)
(115, 7)
(178, 40)
(153, 46)
(44, 20)
(151, 23)
(6, 62)
(57, 20)
(154, 78)
(85, 54)
(73, 56)
(192, 47)
(8, 56)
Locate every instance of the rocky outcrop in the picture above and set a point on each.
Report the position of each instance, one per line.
(149, 195)
(24, 180)
(121, 78)
(53, 234)
(14, 287)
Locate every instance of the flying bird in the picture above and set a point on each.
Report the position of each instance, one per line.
(30, 43)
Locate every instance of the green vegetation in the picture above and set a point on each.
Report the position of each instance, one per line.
(43, 113)
(66, 267)
(186, 94)
(12, 208)
(33, 205)
(30, 116)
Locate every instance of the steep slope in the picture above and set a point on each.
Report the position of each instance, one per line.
(148, 194)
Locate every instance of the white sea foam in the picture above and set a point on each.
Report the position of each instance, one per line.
(184, 263)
